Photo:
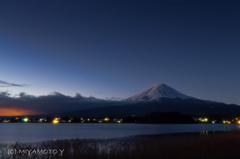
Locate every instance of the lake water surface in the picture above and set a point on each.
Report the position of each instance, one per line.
(35, 132)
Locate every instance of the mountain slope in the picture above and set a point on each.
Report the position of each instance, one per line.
(158, 91)
(194, 108)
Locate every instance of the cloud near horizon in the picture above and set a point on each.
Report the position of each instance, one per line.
(55, 102)
(7, 84)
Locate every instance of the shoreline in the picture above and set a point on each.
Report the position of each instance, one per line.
(214, 145)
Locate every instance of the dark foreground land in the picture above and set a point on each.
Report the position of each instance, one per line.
(215, 146)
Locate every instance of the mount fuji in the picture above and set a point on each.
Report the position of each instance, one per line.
(158, 91)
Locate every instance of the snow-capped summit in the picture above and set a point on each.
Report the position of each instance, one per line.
(159, 91)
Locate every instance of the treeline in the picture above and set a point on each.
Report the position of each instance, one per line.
(161, 118)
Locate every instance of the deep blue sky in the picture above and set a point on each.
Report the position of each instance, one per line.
(118, 48)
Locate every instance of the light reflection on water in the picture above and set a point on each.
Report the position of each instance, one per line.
(34, 132)
(203, 132)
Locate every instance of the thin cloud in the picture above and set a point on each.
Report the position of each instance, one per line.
(114, 99)
(7, 84)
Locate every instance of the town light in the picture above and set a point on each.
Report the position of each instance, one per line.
(25, 119)
(55, 121)
(106, 119)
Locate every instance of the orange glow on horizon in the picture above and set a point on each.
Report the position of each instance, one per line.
(16, 112)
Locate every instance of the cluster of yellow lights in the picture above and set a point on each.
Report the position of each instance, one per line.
(203, 119)
(106, 119)
(226, 122)
(55, 121)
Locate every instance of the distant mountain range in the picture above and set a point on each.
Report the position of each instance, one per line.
(161, 98)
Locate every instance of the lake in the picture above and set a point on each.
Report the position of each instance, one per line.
(38, 132)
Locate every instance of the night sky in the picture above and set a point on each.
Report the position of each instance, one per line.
(118, 48)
